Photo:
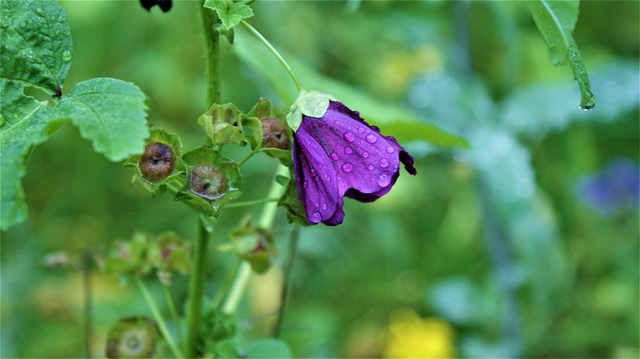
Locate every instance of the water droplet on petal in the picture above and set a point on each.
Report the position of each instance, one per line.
(334, 156)
(390, 149)
(313, 172)
(349, 137)
(347, 167)
(66, 55)
(365, 154)
(348, 150)
(305, 184)
(371, 138)
(384, 180)
(360, 129)
(315, 217)
(384, 162)
(324, 205)
(371, 167)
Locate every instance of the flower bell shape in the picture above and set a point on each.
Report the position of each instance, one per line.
(337, 154)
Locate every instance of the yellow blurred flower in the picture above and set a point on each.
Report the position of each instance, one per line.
(410, 336)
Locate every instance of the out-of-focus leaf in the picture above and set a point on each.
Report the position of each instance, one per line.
(556, 21)
(268, 348)
(36, 43)
(392, 120)
(24, 126)
(110, 113)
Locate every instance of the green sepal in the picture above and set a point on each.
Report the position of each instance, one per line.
(296, 212)
(261, 109)
(223, 124)
(254, 245)
(128, 258)
(133, 337)
(158, 135)
(310, 104)
(169, 253)
(252, 130)
(284, 156)
(225, 177)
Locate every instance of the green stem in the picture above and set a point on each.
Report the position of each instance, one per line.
(246, 157)
(274, 52)
(265, 221)
(210, 21)
(251, 203)
(196, 288)
(158, 317)
(227, 285)
(174, 312)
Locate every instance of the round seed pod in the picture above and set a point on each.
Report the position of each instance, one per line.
(157, 162)
(208, 182)
(275, 134)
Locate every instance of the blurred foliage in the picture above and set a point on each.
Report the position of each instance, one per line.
(497, 242)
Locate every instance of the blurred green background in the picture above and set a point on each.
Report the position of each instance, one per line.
(525, 244)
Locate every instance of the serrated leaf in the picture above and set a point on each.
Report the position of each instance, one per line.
(384, 115)
(229, 15)
(36, 43)
(556, 21)
(109, 112)
(24, 125)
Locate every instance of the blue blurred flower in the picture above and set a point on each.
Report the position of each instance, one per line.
(614, 188)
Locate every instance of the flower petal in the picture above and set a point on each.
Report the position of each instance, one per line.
(341, 155)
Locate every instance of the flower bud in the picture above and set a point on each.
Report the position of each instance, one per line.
(207, 182)
(157, 162)
(275, 134)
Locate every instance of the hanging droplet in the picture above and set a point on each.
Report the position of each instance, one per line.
(66, 55)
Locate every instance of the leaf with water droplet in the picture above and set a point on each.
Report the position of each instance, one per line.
(556, 21)
(31, 26)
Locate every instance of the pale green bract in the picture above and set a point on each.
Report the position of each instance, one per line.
(556, 21)
(35, 42)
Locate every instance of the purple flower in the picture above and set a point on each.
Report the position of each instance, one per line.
(336, 154)
(616, 187)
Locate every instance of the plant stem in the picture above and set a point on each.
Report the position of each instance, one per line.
(251, 203)
(158, 317)
(196, 288)
(275, 53)
(210, 21)
(284, 294)
(174, 312)
(265, 221)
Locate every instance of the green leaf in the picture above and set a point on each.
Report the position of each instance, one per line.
(24, 125)
(110, 113)
(556, 21)
(229, 15)
(268, 348)
(384, 115)
(36, 43)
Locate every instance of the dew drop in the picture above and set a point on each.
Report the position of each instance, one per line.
(315, 217)
(66, 55)
(324, 205)
(384, 162)
(360, 129)
(390, 149)
(338, 146)
(305, 184)
(334, 156)
(39, 11)
(365, 154)
(371, 138)
(313, 172)
(384, 180)
(371, 167)
(349, 137)
(347, 167)
(348, 150)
